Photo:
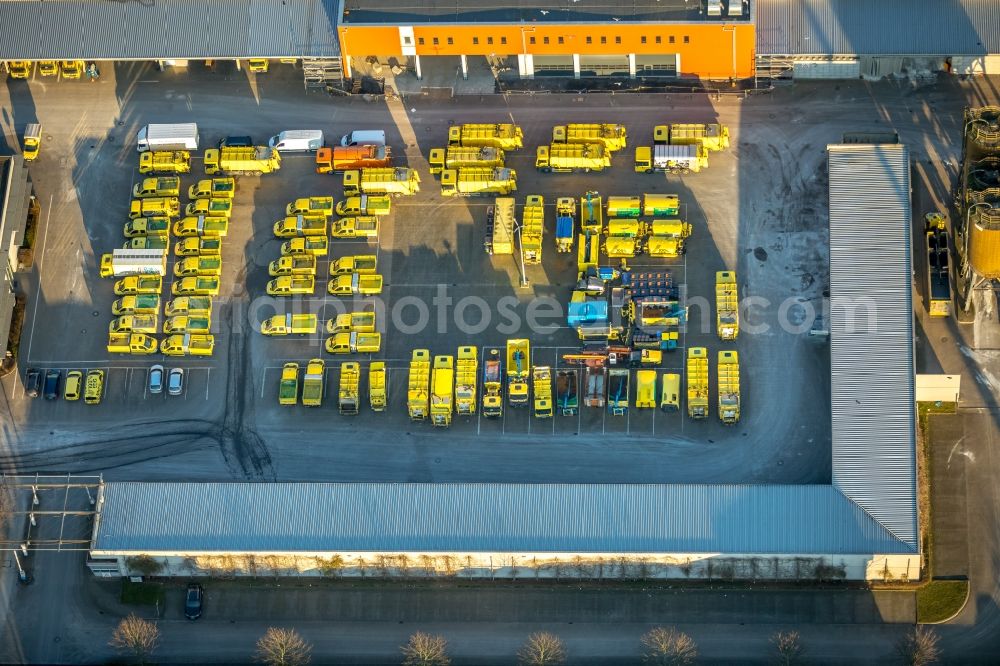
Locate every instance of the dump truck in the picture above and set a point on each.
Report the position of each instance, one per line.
(314, 245)
(729, 387)
(591, 213)
(147, 226)
(164, 186)
(131, 343)
(187, 324)
(354, 343)
(349, 396)
(293, 264)
(144, 323)
(313, 383)
(466, 378)
(518, 371)
(121, 262)
(727, 315)
(289, 285)
(355, 227)
(697, 382)
(188, 344)
(499, 236)
(346, 285)
(394, 181)
(624, 237)
(165, 161)
(362, 264)
(288, 388)
(188, 305)
(194, 246)
(213, 188)
(220, 207)
(712, 136)
(541, 386)
(300, 225)
(504, 136)
(618, 380)
(661, 205)
(138, 284)
(493, 385)
(357, 322)
(147, 243)
(594, 380)
(201, 226)
(570, 157)
(532, 229)
(253, 160)
(418, 385)
(566, 396)
(141, 304)
(667, 238)
(462, 157)
(475, 180)
(157, 207)
(442, 391)
(200, 265)
(587, 253)
(645, 389)
(311, 207)
(673, 159)
(630, 207)
(347, 158)
(377, 386)
(195, 286)
(565, 224)
(289, 324)
(611, 137)
(365, 204)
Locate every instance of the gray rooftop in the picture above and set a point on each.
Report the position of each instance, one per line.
(15, 197)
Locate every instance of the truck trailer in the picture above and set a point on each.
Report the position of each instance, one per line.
(594, 380)
(499, 236)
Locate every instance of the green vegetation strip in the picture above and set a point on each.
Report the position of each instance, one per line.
(940, 599)
(142, 594)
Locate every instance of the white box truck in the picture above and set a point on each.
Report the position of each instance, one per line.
(299, 141)
(122, 262)
(179, 136)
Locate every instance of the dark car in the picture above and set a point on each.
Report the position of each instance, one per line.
(33, 382)
(236, 142)
(193, 601)
(53, 384)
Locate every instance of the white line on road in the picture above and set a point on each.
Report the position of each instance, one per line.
(208, 382)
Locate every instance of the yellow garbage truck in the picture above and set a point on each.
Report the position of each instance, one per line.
(611, 136)
(377, 386)
(249, 161)
(697, 382)
(418, 385)
(532, 229)
(442, 391)
(518, 371)
(466, 378)
(461, 157)
(505, 136)
(727, 315)
(729, 387)
(570, 157)
(392, 180)
(350, 388)
(473, 181)
(165, 161)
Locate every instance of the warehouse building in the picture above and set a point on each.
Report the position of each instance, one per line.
(864, 525)
(17, 205)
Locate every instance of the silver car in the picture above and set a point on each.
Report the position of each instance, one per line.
(156, 379)
(175, 383)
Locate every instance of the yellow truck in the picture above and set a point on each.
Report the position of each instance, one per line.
(347, 285)
(350, 388)
(661, 205)
(499, 236)
(164, 186)
(187, 324)
(311, 207)
(712, 136)
(121, 262)
(570, 157)
(697, 382)
(587, 253)
(354, 343)
(154, 242)
(188, 344)
(356, 322)
(518, 371)
(493, 385)
(138, 284)
(466, 378)
(377, 386)
(355, 227)
(729, 387)
(565, 224)
(196, 286)
(141, 304)
(131, 343)
(667, 238)
(32, 142)
(290, 285)
(293, 264)
(460, 157)
(504, 135)
(313, 383)
(541, 386)
(392, 180)
(314, 245)
(418, 385)
(727, 317)
(672, 159)
(213, 188)
(187, 227)
(147, 227)
(195, 246)
(300, 225)
(365, 204)
(188, 305)
(624, 237)
(289, 324)
(144, 323)
(165, 161)
(199, 265)
(532, 229)
(20, 69)
(253, 160)
(475, 180)
(154, 207)
(288, 387)
(48, 68)
(258, 65)
(591, 213)
(612, 137)
(442, 391)
(624, 207)
(71, 69)
(670, 392)
(362, 264)
(645, 389)
(219, 207)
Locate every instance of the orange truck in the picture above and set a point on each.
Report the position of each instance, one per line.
(345, 158)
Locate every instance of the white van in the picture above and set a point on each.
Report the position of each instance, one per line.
(177, 136)
(297, 141)
(364, 137)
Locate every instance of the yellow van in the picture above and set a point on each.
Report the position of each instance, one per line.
(670, 395)
(74, 380)
(95, 387)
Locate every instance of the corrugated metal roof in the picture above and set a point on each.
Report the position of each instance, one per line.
(877, 27)
(21, 23)
(62, 31)
(871, 354)
(413, 517)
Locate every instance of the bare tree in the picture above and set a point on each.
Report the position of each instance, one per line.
(542, 649)
(282, 647)
(919, 647)
(135, 636)
(665, 646)
(788, 647)
(426, 650)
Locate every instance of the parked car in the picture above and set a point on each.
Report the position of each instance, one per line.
(156, 379)
(53, 384)
(94, 390)
(236, 142)
(74, 382)
(175, 383)
(33, 382)
(193, 601)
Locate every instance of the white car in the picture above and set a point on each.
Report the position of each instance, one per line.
(175, 383)
(156, 379)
